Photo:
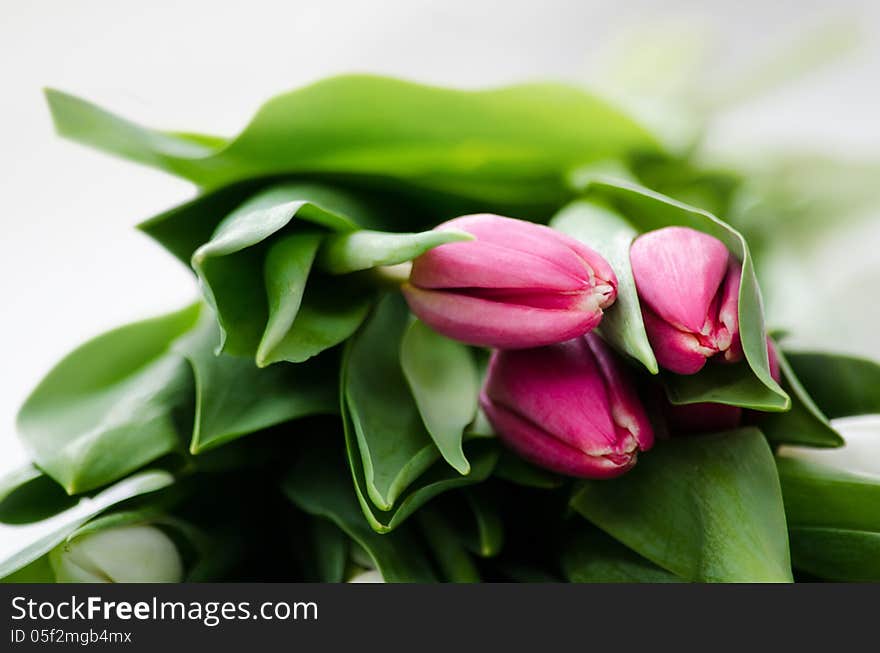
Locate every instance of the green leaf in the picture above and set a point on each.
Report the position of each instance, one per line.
(453, 559)
(749, 384)
(821, 496)
(232, 265)
(834, 520)
(611, 235)
(390, 453)
(22, 544)
(445, 382)
(509, 144)
(394, 446)
(364, 249)
(110, 407)
(708, 509)
(33, 499)
(722, 383)
(591, 556)
(235, 398)
(837, 554)
(804, 423)
(39, 571)
(84, 122)
(287, 268)
(330, 312)
(16, 478)
(184, 228)
(314, 486)
(437, 480)
(840, 385)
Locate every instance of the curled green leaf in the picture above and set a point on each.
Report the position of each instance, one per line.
(364, 249)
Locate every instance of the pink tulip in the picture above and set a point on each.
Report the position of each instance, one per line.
(688, 284)
(567, 407)
(516, 285)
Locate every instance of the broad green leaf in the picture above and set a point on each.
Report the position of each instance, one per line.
(422, 486)
(591, 556)
(16, 478)
(721, 383)
(314, 486)
(445, 383)
(834, 520)
(364, 249)
(231, 265)
(328, 314)
(804, 423)
(184, 228)
(109, 407)
(749, 384)
(438, 479)
(39, 571)
(840, 385)
(609, 234)
(823, 497)
(837, 554)
(88, 124)
(708, 509)
(453, 559)
(22, 544)
(511, 144)
(33, 499)
(395, 448)
(233, 397)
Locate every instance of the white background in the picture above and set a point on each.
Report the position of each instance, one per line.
(71, 265)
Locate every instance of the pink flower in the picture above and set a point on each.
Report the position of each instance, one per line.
(688, 284)
(567, 407)
(516, 285)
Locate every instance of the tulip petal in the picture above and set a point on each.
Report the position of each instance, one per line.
(678, 272)
(626, 408)
(560, 388)
(773, 360)
(539, 240)
(676, 351)
(487, 323)
(728, 313)
(482, 264)
(548, 452)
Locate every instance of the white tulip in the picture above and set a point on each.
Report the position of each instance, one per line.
(860, 454)
(125, 554)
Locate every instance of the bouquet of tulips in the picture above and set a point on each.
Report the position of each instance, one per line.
(500, 335)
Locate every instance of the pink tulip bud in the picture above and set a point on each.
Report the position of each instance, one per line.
(567, 407)
(516, 285)
(688, 284)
